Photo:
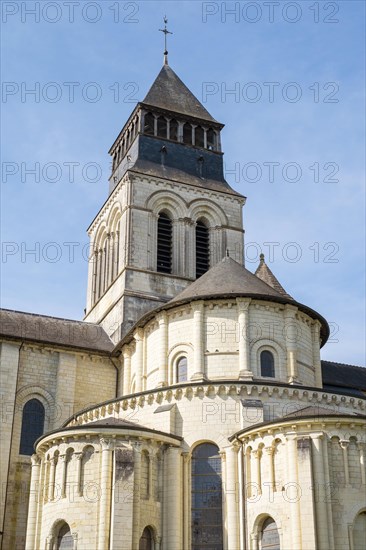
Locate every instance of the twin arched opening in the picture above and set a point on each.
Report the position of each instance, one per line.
(165, 246)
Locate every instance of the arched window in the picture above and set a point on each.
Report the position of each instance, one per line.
(187, 134)
(164, 249)
(173, 130)
(149, 124)
(207, 528)
(32, 426)
(211, 140)
(202, 249)
(359, 532)
(146, 540)
(267, 364)
(269, 537)
(199, 137)
(65, 539)
(182, 369)
(162, 127)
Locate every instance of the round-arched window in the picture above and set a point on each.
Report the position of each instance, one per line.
(146, 540)
(207, 527)
(32, 426)
(269, 538)
(181, 369)
(267, 364)
(65, 540)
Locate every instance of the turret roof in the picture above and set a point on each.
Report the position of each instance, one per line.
(265, 274)
(168, 92)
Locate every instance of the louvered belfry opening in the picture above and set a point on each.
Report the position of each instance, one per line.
(165, 234)
(202, 249)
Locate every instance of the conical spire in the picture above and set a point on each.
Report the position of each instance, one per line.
(168, 92)
(265, 274)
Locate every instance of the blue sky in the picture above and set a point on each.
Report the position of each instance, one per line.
(298, 78)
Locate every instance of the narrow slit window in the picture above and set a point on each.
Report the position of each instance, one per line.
(173, 131)
(202, 249)
(182, 369)
(149, 124)
(187, 134)
(199, 137)
(211, 140)
(165, 234)
(162, 127)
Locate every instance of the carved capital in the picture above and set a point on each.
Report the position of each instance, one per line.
(36, 461)
(106, 444)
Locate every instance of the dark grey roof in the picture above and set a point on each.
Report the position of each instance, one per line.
(228, 277)
(265, 274)
(53, 330)
(157, 170)
(168, 92)
(340, 376)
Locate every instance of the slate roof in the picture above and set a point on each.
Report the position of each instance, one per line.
(32, 327)
(340, 376)
(226, 278)
(265, 274)
(145, 167)
(168, 92)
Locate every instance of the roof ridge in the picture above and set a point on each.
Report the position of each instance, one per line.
(48, 316)
(343, 364)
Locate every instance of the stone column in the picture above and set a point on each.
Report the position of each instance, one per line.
(291, 343)
(105, 494)
(186, 506)
(344, 446)
(257, 478)
(270, 453)
(315, 333)
(321, 517)
(33, 504)
(328, 495)
(172, 499)
(198, 341)
(79, 460)
(51, 484)
(245, 372)
(232, 497)
(136, 493)
(163, 349)
(361, 448)
(63, 463)
(139, 357)
(126, 352)
(293, 504)
(175, 248)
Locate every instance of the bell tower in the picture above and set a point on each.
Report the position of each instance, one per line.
(170, 214)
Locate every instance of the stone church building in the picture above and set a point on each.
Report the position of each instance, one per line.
(190, 410)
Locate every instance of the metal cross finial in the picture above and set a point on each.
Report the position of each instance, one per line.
(165, 31)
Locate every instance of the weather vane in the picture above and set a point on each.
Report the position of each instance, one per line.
(166, 32)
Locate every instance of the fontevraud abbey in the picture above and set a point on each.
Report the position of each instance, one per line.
(199, 434)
